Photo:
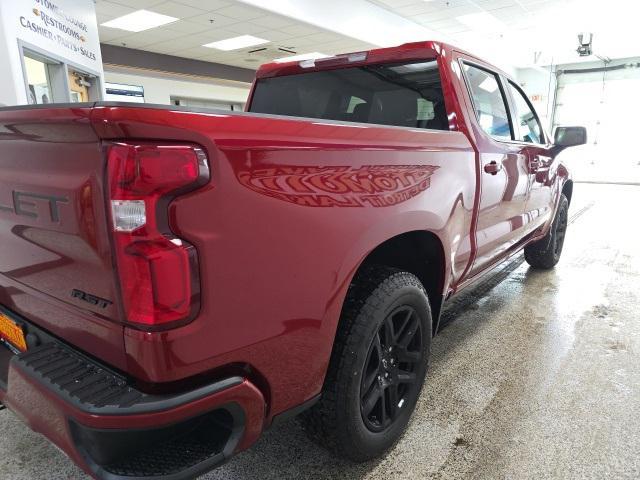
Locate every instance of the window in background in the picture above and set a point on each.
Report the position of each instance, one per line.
(526, 118)
(204, 103)
(120, 92)
(51, 80)
(489, 102)
(39, 85)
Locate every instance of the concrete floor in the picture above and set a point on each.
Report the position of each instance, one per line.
(536, 375)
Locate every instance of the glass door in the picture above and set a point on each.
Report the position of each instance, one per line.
(38, 80)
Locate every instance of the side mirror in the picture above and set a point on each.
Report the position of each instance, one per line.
(569, 137)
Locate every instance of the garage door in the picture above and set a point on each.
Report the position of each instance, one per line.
(607, 103)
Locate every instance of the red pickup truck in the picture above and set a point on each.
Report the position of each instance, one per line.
(173, 282)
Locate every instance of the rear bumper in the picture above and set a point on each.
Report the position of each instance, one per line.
(113, 431)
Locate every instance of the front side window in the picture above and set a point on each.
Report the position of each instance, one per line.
(404, 95)
(530, 130)
(489, 102)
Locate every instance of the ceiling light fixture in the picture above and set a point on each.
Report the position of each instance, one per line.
(236, 43)
(301, 57)
(489, 85)
(140, 21)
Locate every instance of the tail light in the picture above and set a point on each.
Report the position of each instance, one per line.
(158, 272)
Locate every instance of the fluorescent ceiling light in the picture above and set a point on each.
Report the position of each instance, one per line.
(140, 21)
(304, 56)
(236, 43)
(489, 85)
(481, 22)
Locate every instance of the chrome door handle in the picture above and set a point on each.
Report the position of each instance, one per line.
(493, 168)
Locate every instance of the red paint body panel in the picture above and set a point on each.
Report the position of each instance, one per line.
(293, 208)
(50, 247)
(262, 243)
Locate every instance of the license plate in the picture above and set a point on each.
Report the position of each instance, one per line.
(12, 334)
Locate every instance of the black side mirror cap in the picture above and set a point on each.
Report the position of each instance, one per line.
(566, 137)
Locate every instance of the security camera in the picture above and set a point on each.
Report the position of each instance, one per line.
(585, 48)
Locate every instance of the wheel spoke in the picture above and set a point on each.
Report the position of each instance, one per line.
(406, 377)
(371, 400)
(405, 322)
(404, 339)
(389, 334)
(369, 381)
(377, 345)
(383, 408)
(406, 356)
(393, 400)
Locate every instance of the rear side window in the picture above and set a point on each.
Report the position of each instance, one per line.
(489, 102)
(404, 95)
(529, 129)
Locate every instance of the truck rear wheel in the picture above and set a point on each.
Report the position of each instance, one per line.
(377, 367)
(545, 253)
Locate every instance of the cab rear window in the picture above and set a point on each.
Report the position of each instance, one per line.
(403, 95)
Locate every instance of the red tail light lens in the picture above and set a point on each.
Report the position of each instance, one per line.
(158, 272)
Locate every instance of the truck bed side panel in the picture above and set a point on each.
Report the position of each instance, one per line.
(293, 208)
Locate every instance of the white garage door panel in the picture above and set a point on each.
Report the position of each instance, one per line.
(608, 105)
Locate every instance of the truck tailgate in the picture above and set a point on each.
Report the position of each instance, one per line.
(56, 268)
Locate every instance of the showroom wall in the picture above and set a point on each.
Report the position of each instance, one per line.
(161, 88)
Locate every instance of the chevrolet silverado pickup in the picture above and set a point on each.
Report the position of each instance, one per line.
(174, 281)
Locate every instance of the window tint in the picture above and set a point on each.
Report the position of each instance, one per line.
(406, 95)
(525, 117)
(489, 102)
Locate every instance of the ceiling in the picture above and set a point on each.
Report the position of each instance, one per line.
(518, 33)
(206, 21)
(529, 32)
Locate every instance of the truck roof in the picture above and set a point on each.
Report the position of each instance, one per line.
(406, 52)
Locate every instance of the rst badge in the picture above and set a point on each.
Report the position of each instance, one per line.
(91, 299)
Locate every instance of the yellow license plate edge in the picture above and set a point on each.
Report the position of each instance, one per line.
(11, 332)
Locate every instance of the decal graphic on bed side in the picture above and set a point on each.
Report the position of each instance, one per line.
(340, 186)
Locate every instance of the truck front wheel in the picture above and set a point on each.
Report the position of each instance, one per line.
(545, 253)
(377, 367)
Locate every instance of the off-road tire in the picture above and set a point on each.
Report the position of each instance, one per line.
(546, 252)
(337, 421)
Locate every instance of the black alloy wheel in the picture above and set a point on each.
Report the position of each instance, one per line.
(561, 231)
(389, 375)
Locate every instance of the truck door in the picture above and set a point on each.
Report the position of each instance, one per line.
(535, 145)
(504, 175)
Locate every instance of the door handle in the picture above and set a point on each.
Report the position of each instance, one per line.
(493, 167)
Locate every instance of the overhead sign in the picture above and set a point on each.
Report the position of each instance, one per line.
(66, 31)
(66, 28)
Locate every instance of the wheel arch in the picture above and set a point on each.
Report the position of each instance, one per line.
(419, 252)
